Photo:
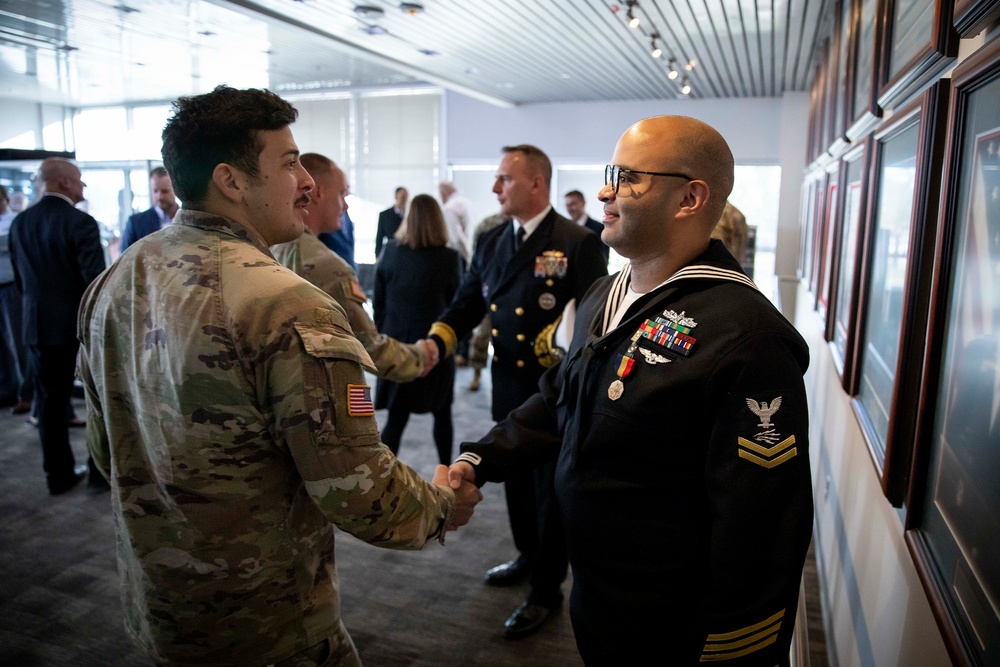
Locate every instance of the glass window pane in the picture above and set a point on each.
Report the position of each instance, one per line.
(101, 134)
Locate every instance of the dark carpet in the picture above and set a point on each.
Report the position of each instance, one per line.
(59, 594)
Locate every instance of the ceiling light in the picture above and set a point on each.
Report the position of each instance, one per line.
(685, 86)
(672, 66)
(656, 51)
(429, 52)
(368, 11)
(633, 20)
(411, 8)
(691, 64)
(373, 30)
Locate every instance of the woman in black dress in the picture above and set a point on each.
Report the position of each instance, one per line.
(415, 279)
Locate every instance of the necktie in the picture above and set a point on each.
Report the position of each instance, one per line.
(519, 239)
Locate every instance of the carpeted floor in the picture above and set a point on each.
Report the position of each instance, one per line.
(59, 596)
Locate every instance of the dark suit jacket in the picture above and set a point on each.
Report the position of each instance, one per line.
(412, 287)
(524, 294)
(56, 253)
(597, 228)
(137, 226)
(388, 223)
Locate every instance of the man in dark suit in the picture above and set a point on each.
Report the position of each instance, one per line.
(390, 219)
(55, 250)
(523, 273)
(158, 216)
(576, 206)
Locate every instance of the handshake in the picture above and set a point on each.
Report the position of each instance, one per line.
(429, 355)
(460, 478)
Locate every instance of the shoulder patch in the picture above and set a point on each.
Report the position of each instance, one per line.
(762, 441)
(359, 400)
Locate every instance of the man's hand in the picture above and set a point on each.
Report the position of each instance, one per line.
(428, 355)
(459, 472)
(467, 496)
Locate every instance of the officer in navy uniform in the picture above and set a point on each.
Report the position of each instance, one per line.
(525, 291)
(678, 421)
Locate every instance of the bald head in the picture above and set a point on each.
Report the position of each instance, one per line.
(328, 195)
(63, 177)
(689, 146)
(446, 190)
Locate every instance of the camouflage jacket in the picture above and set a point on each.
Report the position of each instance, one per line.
(227, 405)
(310, 258)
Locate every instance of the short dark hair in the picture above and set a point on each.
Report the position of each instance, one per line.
(222, 126)
(158, 172)
(536, 157)
(575, 193)
(3, 194)
(400, 189)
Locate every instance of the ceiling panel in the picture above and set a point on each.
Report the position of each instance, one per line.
(93, 52)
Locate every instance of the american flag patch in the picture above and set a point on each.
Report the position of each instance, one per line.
(359, 400)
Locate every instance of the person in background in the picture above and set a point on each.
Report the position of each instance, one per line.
(157, 216)
(56, 252)
(390, 219)
(16, 383)
(479, 343)
(732, 231)
(309, 258)
(415, 279)
(457, 220)
(576, 207)
(523, 274)
(228, 406)
(678, 420)
(341, 240)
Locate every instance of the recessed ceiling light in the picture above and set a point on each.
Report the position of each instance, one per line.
(368, 11)
(125, 9)
(67, 48)
(471, 71)
(206, 33)
(411, 7)
(429, 52)
(374, 30)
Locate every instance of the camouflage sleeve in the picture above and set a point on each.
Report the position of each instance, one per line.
(97, 433)
(322, 409)
(394, 361)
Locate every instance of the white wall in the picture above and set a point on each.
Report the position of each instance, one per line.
(874, 608)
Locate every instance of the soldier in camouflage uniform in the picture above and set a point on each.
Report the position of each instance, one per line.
(228, 408)
(310, 258)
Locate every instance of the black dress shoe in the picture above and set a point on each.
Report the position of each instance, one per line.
(96, 484)
(509, 573)
(527, 620)
(58, 486)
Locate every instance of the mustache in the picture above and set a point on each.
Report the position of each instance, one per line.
(303, 200)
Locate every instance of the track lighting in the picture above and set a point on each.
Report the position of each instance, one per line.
(685, 86)
(656, 51)
(633, 20)
(672, 67)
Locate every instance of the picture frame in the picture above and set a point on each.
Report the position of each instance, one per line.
(845, 283)
(919, 42)
(826, 252)
(865, 40)
(895, 277)
(972, 16)
(810, 193)
(951, 527)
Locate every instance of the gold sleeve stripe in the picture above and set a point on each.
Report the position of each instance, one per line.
(747, 630)
(767, 451)
(768, 464)
(447, 334)
(739, 654)
(740, 643)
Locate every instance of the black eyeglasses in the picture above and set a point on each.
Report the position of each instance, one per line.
(613, 174)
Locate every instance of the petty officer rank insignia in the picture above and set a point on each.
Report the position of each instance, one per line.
(669, 331)
(359, 400)
(551, 264)
(765, 445)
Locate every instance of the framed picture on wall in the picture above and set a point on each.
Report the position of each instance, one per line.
(864, 111)
(953, 518)
(844, 285)
(971, 16)
(841, 97)
(810, 191)
(918, 43)
(827, 251)
(895, 276)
